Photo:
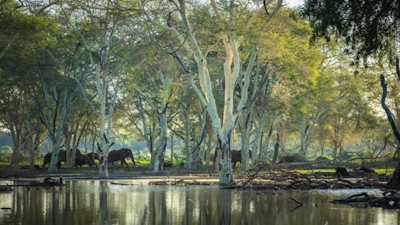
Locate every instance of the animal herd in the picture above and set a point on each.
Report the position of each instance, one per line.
(89, 159)
(114, 156)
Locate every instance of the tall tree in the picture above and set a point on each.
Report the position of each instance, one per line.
(22, 40)
(230, 35)
(102, 38)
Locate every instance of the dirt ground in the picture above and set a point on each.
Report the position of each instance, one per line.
(118, 173)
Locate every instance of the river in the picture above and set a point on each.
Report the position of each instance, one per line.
(101, 202)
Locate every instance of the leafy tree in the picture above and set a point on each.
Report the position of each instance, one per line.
(227, 25)
(22, 41)
(368, 27)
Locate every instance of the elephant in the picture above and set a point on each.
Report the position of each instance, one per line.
(93, 156)
(120, 155)
(236, 156)
(84, 159)
(61, 158)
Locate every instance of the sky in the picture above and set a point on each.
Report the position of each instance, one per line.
(293, 3)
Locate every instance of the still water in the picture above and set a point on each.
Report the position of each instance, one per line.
(100, 202)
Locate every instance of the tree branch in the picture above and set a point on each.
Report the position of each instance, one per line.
(387, 110)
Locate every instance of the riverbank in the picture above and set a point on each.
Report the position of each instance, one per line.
(266, 177)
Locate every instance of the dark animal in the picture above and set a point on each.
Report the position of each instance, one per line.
(236, 156)
(84, 159)
(47, 158)
(62, 156)
(120, 155)
(93, 156)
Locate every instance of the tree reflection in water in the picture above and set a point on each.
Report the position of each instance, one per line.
(104, 215)
(225, 203)
(99, 202)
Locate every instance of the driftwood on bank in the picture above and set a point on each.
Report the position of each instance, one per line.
(390, 199)
(273, 177)
(278, 177)
(4, 188)
(47, 182)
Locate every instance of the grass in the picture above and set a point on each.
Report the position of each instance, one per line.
(383, 171)
(379, 167)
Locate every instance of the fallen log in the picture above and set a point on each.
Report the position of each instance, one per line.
(390, 199)
(367, 169)
(5, 188)
(47, 182)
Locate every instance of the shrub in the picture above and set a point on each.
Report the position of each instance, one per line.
(323, 157)
(296, 157)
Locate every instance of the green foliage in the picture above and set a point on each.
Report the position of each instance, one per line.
(323, 157)
(294, 157)
(6, 149)
(368, 27)
(5, 154)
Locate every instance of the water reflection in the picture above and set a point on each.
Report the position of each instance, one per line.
(99, 202)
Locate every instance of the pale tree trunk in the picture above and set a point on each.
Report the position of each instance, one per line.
(54, 120)
(106, 104)
(33, 141)
(16, 137)
(246, 119)
(245, 135)
(306, 130)
(157, 161)
(104, 119)
(194, 152)
(208, 148)
(276, 149)
(105, 122)
(199, 137)
(184, 111)
(263, 152)
(145, 126)
(73, 134)
(232, 68)
(57, 138)
(161, 145)
(336, 147)
(280, 130)
(261, 105)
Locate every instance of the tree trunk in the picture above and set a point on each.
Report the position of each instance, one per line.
(276, 149)
(264, 151)
(161, 144)
(233, 75)
(16, 137)
(186, 126)
(225, 165)
(306, 130)
(394, 182)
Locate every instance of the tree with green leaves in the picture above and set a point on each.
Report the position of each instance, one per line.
(226, 24)
(22, 41)
(102, 37)
(367, 27)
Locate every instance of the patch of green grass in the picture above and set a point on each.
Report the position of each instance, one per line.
(384, 171)
(305, 171)
(389, 171)
(4, 164)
